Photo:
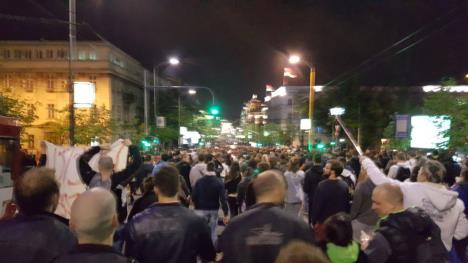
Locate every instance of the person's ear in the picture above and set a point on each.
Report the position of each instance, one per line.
(54, 202)
(115, 221)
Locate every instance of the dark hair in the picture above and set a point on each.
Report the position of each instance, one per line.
(165, 157)
(147, 157)
(338, 229)
(294, 164)
(252, 164)
(167, 181)
(35, 191)
(201, 157)
(263, 166)
(234, 172)
(208, 158)
(301, 252)
(147, 184)
(318, 159)
(210, 167)
(336, 166)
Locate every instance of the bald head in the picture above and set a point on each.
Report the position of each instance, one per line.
(93, 216)
(105, 164)
(387, 198)
(270, 187)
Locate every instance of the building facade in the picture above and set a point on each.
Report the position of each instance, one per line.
(37, 73)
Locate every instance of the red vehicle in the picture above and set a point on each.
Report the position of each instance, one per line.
(10, 163)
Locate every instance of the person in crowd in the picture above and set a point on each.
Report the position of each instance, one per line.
(452, 168)
(403, 235)
(244, 201)
(197, 171)
(148, 198)
(312, 178)
(167, 231)
(165, 157)
(231, 182)
(262, 167)
(362, 216)
(207, 196)
(331, 196)
(184, 166)
(273, 162)
(35, 235)
(430, 194)
(301, 252)
(106, 177)
(401, 162)
(93, 219)
(144, 171)
(258, 234)
(461, 188)
(339, 244)
(294, 178)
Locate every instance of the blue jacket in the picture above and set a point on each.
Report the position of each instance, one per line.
(209, 193)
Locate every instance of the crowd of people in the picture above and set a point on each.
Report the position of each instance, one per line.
(247, 205)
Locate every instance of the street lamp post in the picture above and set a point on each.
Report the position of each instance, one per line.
(173, 61)
(295, 59)
(71, 56)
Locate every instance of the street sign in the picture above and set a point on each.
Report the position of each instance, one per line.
(402, 126)
(161, 122)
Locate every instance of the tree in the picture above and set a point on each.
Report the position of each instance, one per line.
(17, 108)
(89, 124)
(455, 108)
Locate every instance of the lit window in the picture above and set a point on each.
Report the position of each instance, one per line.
(92, 55)
(61, 54)
(82, 55)
(17, 54)
(5, 54)
(27, 54)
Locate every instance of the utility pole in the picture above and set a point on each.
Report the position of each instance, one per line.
(71, 57)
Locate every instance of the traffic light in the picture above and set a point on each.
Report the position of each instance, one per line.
(332, 143)
(214, 110)
(320, 146)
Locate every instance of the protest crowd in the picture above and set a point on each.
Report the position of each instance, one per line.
(240, 204)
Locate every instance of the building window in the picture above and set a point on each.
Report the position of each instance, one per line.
(290, 102)
(5, 54)
(49, 53)
(17, 54)
(290, 116)
(29, 85)
(50, 111)
(7, 83)
(38, 54)
(27, 54)
(31, 141)
(92, 55)
(82, 55)
(50, 84)
(61, 54)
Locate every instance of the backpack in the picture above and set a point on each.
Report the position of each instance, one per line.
(431, 249)
(403, 173)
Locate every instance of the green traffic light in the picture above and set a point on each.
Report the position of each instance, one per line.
(214, 110)
(320, 146)
(333, 143)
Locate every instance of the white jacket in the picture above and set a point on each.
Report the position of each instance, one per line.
(441, 204)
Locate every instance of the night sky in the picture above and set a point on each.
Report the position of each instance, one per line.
(236, 47)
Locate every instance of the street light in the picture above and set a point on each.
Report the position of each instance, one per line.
(174, 61)
(337, 112)
(295, 59)
(192, 92)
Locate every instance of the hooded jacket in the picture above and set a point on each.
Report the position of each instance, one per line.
(441, 204)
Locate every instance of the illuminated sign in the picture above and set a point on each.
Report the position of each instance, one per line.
(84, 94)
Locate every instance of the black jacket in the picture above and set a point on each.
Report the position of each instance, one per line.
(90, 253)
(142, 203)
(37, 238)
(406, 230)
(331, 197)
(258, 234)
(168, 233)
(208, 193)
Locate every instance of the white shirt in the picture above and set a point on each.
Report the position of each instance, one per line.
(196, 173)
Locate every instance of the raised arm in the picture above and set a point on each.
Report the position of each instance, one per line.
(86, 172)
(374, 173)
(123, 175)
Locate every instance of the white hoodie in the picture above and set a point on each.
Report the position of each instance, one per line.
(441, 204)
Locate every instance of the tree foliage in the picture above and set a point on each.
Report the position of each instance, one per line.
(455, 107)
(17, 108)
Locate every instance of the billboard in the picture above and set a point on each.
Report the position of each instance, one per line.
(427, 132)
(84, 94)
